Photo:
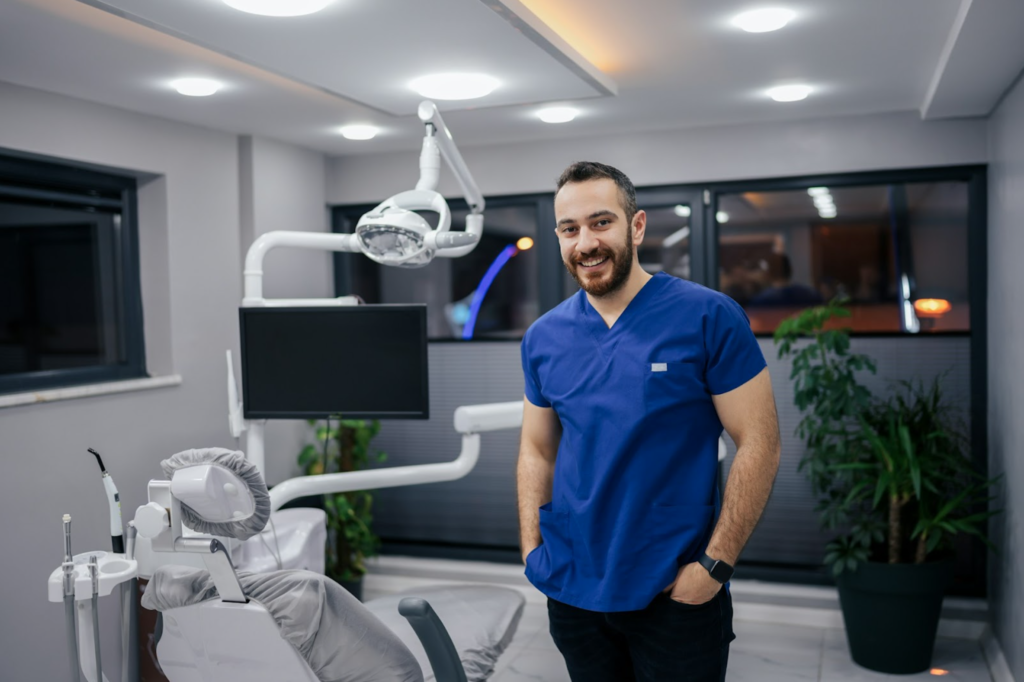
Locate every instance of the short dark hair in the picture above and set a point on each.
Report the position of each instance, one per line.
(582, 171)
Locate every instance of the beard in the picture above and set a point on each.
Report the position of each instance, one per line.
(622, 265)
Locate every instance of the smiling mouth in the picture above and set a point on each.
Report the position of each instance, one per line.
(592, 263)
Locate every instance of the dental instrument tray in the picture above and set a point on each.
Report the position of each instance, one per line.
(360, 361)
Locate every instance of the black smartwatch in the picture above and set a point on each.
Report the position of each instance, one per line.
(719, 570)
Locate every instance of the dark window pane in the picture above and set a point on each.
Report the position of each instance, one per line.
(898, 252)
(57, 306)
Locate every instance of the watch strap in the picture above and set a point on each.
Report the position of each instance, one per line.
(719, 570)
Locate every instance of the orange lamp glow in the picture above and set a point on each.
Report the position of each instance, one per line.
(932, 307)
(939, 671)
(524, 243)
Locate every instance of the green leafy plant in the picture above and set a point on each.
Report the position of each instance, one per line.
(344, 445)
(892, 474)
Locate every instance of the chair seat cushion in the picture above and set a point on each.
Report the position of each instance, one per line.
(340, 640)
(481, 620)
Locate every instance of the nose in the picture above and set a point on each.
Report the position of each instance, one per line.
(587, 241)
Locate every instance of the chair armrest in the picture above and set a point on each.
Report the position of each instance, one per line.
(444, 659)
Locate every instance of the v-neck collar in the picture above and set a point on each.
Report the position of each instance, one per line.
(607, 337)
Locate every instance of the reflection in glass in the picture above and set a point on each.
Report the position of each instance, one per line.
(887, 248)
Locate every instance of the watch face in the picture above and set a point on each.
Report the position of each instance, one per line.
(721, 572)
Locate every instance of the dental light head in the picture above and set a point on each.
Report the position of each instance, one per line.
(394, 233)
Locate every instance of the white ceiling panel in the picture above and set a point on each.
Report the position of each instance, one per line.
(368, 50)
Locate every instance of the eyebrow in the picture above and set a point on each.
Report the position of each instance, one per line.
(595, 214)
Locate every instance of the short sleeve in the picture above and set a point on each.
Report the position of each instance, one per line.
(733, 354)
(532, 383)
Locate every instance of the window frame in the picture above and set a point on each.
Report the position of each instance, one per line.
(61, 184)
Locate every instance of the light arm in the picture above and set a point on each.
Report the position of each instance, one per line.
(748, 415)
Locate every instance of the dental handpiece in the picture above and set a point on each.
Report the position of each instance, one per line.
(95, 575)
(69, 599)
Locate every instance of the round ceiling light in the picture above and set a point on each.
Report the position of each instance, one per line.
(557, 114)
(359, 132)
(763, 20)
(196, 87)
(790, 93)
(279, 8)
(454, 85)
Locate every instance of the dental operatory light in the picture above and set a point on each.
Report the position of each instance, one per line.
(763, 20)
(557, 114)
(453, 86)
(394, 233)
(196, 87)
(279, 8)
(358, 132)
(790, 93)
(681, 210)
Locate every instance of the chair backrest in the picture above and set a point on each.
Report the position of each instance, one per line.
(217, 641)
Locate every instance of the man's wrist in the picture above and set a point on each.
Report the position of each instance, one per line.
(721, 571)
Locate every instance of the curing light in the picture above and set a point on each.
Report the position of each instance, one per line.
(505, 256)
(524, 244)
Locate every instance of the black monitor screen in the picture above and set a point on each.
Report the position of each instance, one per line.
(362, 362)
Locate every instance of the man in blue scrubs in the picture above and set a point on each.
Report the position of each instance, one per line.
(629, 384)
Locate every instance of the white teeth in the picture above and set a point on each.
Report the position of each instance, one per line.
(591, 263)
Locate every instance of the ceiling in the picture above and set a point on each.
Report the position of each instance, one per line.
(628, 67)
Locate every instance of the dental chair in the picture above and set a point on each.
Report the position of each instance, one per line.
(219, 625)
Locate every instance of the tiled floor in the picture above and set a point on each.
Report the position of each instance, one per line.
(761, 653)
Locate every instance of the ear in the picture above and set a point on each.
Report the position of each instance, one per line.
(639, 227)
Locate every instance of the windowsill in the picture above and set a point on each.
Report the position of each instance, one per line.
(71, 392)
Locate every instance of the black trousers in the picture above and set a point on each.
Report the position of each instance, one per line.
(666, 642)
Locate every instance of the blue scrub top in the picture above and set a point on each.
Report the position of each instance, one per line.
(635, 484)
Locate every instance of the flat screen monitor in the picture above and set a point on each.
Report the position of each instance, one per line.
(360, 362)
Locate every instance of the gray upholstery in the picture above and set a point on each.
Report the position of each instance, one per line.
(340, 640)
(235, 462)
(481, 620)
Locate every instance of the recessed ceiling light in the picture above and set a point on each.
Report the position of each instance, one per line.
(454, 85)
(196, 87)
(682, 210)
(763, 20)
(722, 217)
(358, 132)
(817, 191)
(557, 114)
(789, 93)
(279, 8)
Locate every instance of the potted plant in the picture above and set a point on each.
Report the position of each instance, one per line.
(893, 477)
(344, 445)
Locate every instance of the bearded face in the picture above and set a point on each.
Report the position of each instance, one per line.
(605, 269)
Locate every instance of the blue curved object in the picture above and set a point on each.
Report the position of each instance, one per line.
(485, 284)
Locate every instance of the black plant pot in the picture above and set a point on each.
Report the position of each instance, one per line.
(892, 613)
(355, 587)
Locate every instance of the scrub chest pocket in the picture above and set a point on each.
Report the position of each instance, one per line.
(670, 384)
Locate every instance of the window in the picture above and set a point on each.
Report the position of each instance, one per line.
(897, 251)
(495, 292)
(69, 291)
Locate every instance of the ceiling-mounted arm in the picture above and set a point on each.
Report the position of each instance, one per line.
(439, 138)
(430, 116)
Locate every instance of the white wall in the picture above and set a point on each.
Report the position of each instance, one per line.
(283, 188)
(191, 246)
(1006, 371)
(858, 143)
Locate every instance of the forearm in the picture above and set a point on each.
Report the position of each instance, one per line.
(534, 476)
(746, 493)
